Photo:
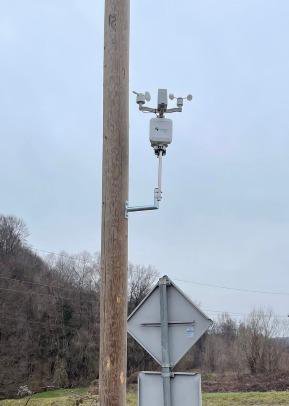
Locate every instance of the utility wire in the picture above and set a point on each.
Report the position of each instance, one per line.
(247, 290)
(40, 322)
(91, 291)
(42, 294)
(46, 286)
(71, 257)
(209, 285)
(21, 319)
(255, 291)
(93, 301)
(266, 292)
(279, 316)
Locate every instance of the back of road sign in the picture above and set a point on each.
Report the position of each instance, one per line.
(185, 389)
(186, 324)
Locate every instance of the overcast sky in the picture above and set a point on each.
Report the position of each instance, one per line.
(224, 218)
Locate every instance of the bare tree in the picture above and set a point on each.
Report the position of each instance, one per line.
(13, 234)
(258, 339)
(140, 281)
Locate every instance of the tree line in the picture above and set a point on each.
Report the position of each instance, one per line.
(49, 322)
(49, 313)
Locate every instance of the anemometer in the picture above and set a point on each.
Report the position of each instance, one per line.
(160, 135)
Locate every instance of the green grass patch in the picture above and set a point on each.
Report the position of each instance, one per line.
(59, 397)
(246, 399)
(65, 397)
(236, 399)
(60, 393)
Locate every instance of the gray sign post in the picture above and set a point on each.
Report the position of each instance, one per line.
(166, 366)
(167, 324)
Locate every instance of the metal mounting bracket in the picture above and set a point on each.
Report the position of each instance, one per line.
(157, 193)
(164, 281)
(155, 206)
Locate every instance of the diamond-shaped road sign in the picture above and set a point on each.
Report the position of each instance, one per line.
(186, 323)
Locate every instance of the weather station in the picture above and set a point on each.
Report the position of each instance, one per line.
(160, 135)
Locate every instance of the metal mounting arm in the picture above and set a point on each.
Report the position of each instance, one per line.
(157, 193)
(160, 112)
(174, 110)
(142, 98)
(147, 109)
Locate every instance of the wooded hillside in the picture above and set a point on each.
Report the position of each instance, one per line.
(49, 313)
(49, 322)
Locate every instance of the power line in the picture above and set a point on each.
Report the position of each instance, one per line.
(42, 294)
(63, 255)
(209, 285)
(241, 314)
(247, 290)
(21, 319)
(42, 284)
(225, 312)
(177, 279)
(95, 322)
(93, 301)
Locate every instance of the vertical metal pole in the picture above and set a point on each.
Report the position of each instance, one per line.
(166, 367)
(160, 173)
(114, 241)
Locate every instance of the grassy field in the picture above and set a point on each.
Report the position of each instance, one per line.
(68, 398)
(246, 399)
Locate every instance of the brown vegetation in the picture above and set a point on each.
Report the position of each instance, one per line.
(231, 382)
(49, 314)
(49, 327)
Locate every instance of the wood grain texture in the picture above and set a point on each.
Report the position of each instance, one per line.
(114, 245)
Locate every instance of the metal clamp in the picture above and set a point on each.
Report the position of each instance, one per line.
(164, 281)
(167, 374)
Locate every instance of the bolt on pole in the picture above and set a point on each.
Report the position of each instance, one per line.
(114, 241)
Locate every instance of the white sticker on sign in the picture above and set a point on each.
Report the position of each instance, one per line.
(190, 331)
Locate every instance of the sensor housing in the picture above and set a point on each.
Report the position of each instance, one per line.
(161, 131)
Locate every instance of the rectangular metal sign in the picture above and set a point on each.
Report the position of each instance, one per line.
(185, 389)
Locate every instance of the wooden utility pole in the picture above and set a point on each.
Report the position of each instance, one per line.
(114, 245)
